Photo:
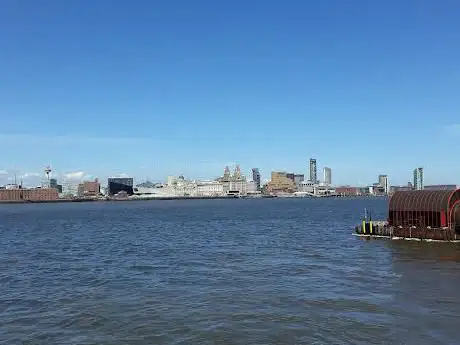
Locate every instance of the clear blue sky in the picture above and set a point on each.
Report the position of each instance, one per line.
(151, 88)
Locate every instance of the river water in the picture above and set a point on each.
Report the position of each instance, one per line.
(266, 271)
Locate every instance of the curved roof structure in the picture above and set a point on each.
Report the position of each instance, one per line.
(436, 208)
(420, 200)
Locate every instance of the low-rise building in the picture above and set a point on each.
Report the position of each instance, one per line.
(307, 187)
(116, 185)
(89, 189)
(347, 191)
(32, 194)
(441, 187)
(394, 189)
(324, 189)
(209, 189)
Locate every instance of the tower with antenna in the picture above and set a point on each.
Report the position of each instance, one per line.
(48, 174)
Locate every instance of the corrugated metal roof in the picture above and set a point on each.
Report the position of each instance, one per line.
(421, 200)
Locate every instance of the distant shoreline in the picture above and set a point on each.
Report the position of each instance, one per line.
(182, 198)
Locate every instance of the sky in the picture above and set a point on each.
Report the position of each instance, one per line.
(167, 87)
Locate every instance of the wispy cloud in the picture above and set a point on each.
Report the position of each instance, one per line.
(75, 175)
(29, 175)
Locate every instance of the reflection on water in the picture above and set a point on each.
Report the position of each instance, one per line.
(284, 271)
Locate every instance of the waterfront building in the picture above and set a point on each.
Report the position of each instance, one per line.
(323, 189)
(280, 182)
(154, 192)
(69, 189)
(89, 188)
(171, 181)
(327, 175)
(233, 184)
(32, 194)
(251, 187)
(256, 177)
(103, 190)
(313, 172)
(298, 179)
(394, 189)
(418, 178)
(291, 176)
(347, 191)
(209, 189)
(307, 187)
(184, 188)
(116, 185)
(383, 182)
(368, 190)
(441, 187)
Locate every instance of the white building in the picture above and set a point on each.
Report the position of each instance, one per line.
(324, 189)
(235, 187)
(316, 189)
(154, 192)
(171, 181)
(307, 187)
(209, 188)
(327, 175)
(69, 188)
(383, 182)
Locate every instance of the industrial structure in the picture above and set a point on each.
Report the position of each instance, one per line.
(419, 214)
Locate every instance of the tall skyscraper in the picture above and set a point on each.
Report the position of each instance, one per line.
(418, 178)
(256, 177)
(383, 182)
(313, 175)
(327, 175)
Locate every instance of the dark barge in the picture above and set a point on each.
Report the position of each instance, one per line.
(418, 215)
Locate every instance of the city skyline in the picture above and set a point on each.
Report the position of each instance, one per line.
(155, 88)
(35, 179)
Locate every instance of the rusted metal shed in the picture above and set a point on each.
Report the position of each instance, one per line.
(425, 208)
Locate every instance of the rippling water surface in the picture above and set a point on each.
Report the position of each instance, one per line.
(278, 271)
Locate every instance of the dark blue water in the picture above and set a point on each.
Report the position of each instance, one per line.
(278, 271)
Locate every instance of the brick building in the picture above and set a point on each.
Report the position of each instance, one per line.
(345, 190)
(33, 194)
(89, 188)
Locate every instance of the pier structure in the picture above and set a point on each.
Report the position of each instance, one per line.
(419, 214)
